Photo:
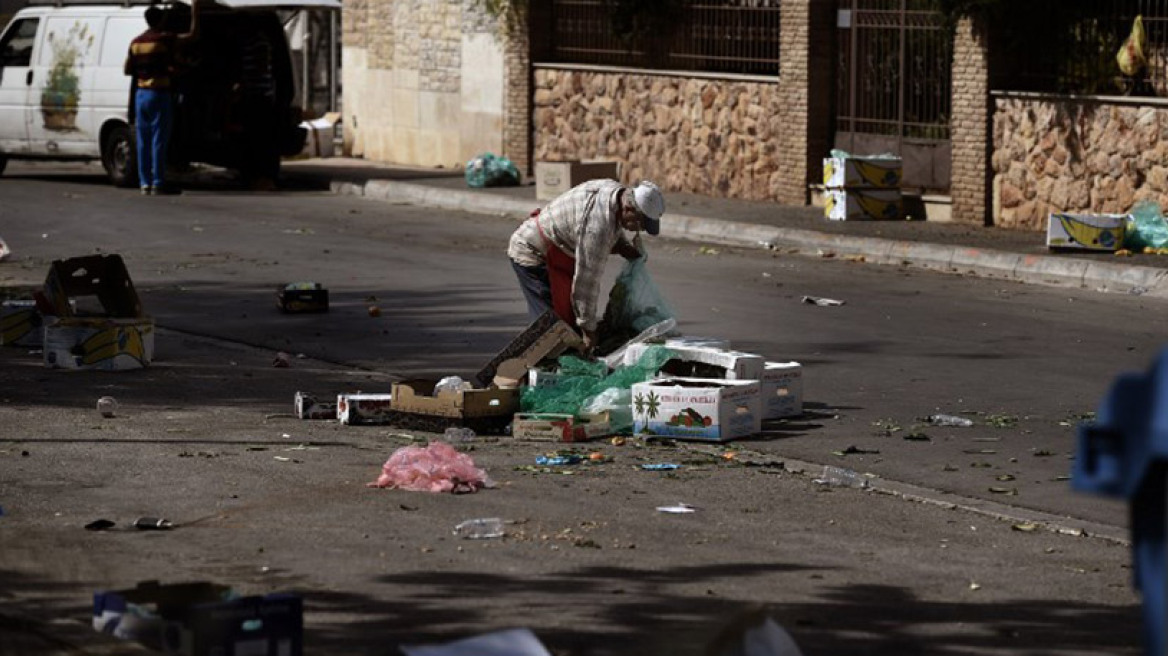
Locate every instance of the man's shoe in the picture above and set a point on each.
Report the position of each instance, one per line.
(147, 190)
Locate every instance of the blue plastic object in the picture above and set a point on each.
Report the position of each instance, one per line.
(1125, 454)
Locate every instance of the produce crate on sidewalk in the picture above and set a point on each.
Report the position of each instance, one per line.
(862, 188)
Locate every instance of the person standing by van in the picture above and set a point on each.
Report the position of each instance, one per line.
(152, 61)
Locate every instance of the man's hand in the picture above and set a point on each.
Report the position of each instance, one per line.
(626, 250)
(589, 342)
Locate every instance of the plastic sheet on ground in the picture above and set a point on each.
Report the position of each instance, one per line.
(437, 467)
(584, 386)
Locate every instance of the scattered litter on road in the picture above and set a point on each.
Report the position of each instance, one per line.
(5, 251)
(822, 302)
(282, 360)
(286, 459)
(1008, 491)
(950, 420)
(374, 311)
(679, 509)
(1026, 527)
(855, 450)
(480, 529)
(107, 406)
(99, 525)
(917, 436)
(152, 524)
(660, 466)
(559, 460)
(298, 297)
(840, 477)
(512, 642)
(307, 406)
(434, 468)
(974, 586)
(459, 434)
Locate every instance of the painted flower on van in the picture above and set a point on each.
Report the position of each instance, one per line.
(62, 91)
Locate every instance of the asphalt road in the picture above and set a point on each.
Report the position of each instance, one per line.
(589, 564)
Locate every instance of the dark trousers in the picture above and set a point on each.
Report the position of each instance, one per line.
(537, 288)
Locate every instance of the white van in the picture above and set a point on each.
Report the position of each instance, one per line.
(64, 96)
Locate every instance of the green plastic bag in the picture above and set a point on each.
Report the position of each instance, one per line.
(1146, 228)
(582, 383)
(488, 170)
(635, 304)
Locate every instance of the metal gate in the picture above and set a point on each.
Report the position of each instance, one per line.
(893, 92)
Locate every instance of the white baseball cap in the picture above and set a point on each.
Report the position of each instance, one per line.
(649, 201)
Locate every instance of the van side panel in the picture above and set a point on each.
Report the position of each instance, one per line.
(61, 120)
(110, 96)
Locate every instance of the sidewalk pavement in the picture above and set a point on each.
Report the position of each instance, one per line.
(947, 247)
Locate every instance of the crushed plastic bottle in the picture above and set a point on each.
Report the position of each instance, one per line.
(457, 434)
(107, 406)
(950, 420)
(840, 477)
(480, 529)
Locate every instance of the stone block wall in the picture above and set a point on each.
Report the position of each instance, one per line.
(704, 136)
(423, 81)
(1064, 155)
(969, 126)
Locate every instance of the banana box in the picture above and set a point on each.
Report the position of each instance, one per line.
(863, 204)
(1093, 232)
(99, 343)
(868, 172)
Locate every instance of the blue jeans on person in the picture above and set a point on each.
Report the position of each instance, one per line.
(153, 112)
(536, 286)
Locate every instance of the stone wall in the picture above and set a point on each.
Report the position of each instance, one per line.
(704, 136)
(969, 125)
(1063, 155)
(423, 81)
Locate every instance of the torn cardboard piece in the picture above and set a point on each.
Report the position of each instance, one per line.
(546, 337)
(22, 323)
(419, 397)
(703, 362)
(102, 276)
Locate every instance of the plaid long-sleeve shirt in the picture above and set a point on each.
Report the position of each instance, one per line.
(581, 222)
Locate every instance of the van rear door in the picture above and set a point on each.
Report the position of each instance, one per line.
(16, 56)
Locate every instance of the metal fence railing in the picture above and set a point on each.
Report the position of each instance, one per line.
(1070, 47)
(717, 36)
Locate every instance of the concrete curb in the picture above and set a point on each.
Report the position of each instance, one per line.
(985, 263)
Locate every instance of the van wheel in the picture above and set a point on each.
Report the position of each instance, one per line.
(119, 157)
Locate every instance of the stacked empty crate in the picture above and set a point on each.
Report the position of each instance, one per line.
(862, 188)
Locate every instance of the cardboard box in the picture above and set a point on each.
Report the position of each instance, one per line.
(308, 406)
(863, 172)
(99, 343)
(549, 427)
(863, 204)
(365, 409)
(554, 178)
(418, 397)
(298, 297)
(697, 408)
(194, 619)
(1094, 232)
(22, 324)
(707, 342)
(782, 390)
(103, 276)
(322, 134)
(704, 362)
(547, 337)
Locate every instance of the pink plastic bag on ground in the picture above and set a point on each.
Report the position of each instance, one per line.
(434, 468)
